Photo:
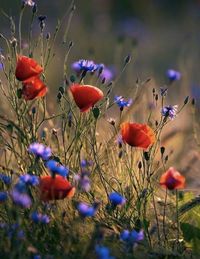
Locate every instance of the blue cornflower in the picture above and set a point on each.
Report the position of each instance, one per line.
(40, 218)
(28, 179)
(132, 237)
(116, 199)
(169, 111)
(121, 102)
(3, 196)
(37, 257)
(21, 199)
(85, 210)
(106, 73)
(40, 150)
(55, 168)
(103, 252)
(84, 65)
(173, 75)
(5, 179)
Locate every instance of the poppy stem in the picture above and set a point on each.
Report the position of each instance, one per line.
(164, 216)
(177, 219)
(20, 28)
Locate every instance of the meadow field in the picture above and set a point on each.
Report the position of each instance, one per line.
(99, 129)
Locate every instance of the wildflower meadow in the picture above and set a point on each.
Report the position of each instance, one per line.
(91, 167)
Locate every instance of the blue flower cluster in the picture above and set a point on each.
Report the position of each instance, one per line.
(89, 66)
(19, 193)
(40, 218)
(56, 168)
(40, 150)
(132, 237)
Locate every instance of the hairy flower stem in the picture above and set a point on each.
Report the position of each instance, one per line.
(164, 216)
(177, 219)
(20, 28)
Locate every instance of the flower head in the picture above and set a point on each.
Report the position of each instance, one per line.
(116, 199)
(33, 88)
(55, 188)
(3, 196)
(137, 135)
(132, 237)
(83, 181)
(103, 252)
(29, 2)
(86, 210)
(106, 73)
(85, 96)
(5, 179)
(169, 111)
(121, 102)
(28, 179)
(40, 150)
(26, 68)
(172, 179)
(56, 168)
(84, 65)
(173, 75)
(21, 199)
(40, 218)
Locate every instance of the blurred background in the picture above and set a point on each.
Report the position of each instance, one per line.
(158, 34)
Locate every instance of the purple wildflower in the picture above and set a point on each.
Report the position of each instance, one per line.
(84, 65)
(40, 150)
(86, 163)
(105, 73)
(116, 199)
(121, 102)
(56, 168)
(169, 111)
(173, 75)
(85, 210)
(83, 181)
(21, 199)
(40, 218)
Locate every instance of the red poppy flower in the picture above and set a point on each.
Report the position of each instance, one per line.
(137, 135)
(172, 179)
(85, 96)
(26, 68)
(55, 188)
(33, 88)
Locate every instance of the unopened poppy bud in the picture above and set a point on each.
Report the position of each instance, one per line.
(166, 159)
(193, 101)
(186, 100)
(48, 36)
(103, 80)
(120, 154)
(140, 165)
(19, 93)
(59, 96)
(72, 78)
(156, 97)
(127, 59)
(44, 133)
(33, 110)
(62, 90)
(162, 150)
(146, 156)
